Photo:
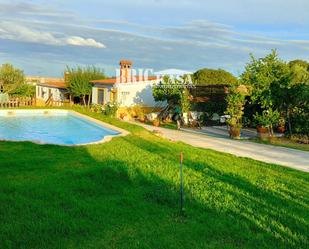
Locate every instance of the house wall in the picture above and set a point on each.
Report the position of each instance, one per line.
(42, 92)
(130, 94)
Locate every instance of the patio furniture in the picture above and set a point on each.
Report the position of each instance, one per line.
(152, 116)
(194, 120)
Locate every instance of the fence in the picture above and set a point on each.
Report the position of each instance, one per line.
(14, 102)
(55, 103)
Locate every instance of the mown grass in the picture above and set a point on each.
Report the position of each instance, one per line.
(124, 194)
(172, 125)
(283, 142)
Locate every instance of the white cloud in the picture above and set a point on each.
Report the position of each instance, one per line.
(79, 41)
(146, 33)
(18, 32)
(27, 9)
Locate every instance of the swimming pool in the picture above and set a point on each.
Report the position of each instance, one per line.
(60, 127)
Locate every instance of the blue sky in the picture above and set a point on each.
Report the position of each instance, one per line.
(42, 37)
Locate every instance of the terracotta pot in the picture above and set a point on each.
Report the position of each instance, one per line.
(234, 132)
(262, 132)
(281, 129)
(156, 123)
(122, 115)
(262, 129)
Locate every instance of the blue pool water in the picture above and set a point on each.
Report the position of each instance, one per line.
(60, 129)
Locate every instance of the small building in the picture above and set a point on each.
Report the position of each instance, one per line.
(57, 91)
(127, 90)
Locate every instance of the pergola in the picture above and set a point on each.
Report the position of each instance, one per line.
(208, 93)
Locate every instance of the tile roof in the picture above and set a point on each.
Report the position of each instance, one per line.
(59, 84)
(105, 81)
(112, 81)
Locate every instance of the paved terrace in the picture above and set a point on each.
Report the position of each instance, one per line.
(292, 158)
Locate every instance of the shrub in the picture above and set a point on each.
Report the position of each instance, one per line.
(300, 121)
(267, 119)
(137, 111)
(236, 100)
(302, 139)
(110, 109)
(97, 108)
(24, 91)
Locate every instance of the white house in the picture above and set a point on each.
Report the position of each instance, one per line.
(55, 90)
(126, 89)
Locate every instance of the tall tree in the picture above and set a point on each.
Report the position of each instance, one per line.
(10, 78)
(295, 98)
(78, 81)
(265, 76)
(174, 91)
(169, 89)
(207, 76)
(300, 63)
(277, 85)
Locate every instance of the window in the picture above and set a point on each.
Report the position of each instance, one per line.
(124, 96)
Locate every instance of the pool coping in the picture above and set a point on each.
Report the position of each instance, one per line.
(106, 138)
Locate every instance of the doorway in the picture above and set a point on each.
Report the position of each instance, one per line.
(101, 96)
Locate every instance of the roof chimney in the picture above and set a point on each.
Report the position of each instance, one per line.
(125, 71)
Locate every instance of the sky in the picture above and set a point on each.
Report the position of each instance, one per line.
(43, 37)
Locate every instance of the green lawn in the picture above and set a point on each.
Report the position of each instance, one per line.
(172, 125)
(124, 194)
(284, 142)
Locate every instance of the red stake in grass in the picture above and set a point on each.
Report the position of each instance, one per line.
(181, 185)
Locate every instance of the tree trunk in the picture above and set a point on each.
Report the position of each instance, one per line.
(271, 130)
(89, 100)
(84, 99)
(289, 120)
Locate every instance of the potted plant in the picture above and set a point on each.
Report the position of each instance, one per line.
(122, 115)
(235, 106)
(141, 117)
(262, 124)
(156, 122)
(265, 122)
(138, 112)
(281, 125)
(234, 131)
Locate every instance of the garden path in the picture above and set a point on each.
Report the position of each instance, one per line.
(292, 158)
